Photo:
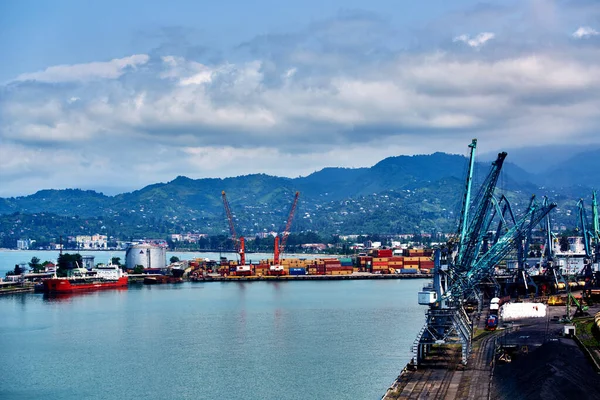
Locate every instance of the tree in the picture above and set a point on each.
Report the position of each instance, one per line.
(564, 243)
(67, 262)
(35, 265)
(174, 259)
(116, 261)
(139, 269)
(17, 271)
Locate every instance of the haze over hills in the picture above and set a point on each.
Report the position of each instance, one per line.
(403, 194)
(541, 160)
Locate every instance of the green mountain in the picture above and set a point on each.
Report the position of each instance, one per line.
(404, 194)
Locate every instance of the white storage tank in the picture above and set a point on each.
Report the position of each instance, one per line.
(147, 255)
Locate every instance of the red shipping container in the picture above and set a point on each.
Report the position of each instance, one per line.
(385, 253)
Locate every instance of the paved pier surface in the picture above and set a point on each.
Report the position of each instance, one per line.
(443, 377)
(544, 365)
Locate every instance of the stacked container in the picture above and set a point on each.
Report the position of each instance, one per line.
(396, 263)
(426, 266)
(411, 263)
(333, 266)
(262, 269)
(380, 265)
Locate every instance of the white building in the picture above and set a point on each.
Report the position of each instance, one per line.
(23, 244)
(91, 242)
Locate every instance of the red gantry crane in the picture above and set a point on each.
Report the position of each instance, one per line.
(240, 247)
(276, 269)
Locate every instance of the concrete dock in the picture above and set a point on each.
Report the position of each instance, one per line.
(355, 275)
(544, 365)
(15, 287)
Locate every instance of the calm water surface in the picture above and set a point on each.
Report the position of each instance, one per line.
(257, 340)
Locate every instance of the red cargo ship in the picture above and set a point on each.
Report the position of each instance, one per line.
(104, 277)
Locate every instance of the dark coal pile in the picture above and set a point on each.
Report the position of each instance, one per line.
(555, 370)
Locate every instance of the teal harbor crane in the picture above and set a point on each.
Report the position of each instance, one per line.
(551, 269)
(591, 257)
(596, 228)
(469, 259)
(583, 224)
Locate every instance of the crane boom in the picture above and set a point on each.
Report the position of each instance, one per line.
(484, 266)
(471, 243)
(596, 228)
(238, 243)
(288, 225)
(502, 213)
(549, 241)
(229, 218)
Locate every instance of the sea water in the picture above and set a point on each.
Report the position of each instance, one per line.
(344, 339)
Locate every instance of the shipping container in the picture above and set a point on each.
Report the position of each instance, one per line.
(409, 271)
(297, 271)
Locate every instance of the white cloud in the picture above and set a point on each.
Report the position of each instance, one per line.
(85, 72)
(292, 109)
(585, 32)
(438, 92)
(477, 41)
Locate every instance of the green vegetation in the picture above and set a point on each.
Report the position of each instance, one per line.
(35, 265)
(139, 269)
(585, 332)
(17, 271)
(67, 262)
(399, 195)
(589, 336)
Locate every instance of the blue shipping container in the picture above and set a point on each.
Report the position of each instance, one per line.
(409, 271)
(297, 271)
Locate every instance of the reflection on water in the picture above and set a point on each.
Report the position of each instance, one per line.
(258, 340)
(66, 297)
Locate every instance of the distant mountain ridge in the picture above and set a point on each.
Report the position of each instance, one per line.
(393, 173)
(402, 193)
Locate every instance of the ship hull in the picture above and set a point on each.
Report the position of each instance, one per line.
(64, 285)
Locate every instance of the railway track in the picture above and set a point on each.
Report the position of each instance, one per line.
(442, 376)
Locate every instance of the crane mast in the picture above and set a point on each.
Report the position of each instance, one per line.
(238, 243)
(467, 198)
(549, 242)
(596, 228)
(276, 251)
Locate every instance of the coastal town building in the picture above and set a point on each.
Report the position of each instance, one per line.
(93, 242)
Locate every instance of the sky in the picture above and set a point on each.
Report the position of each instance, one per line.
(116, 95)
